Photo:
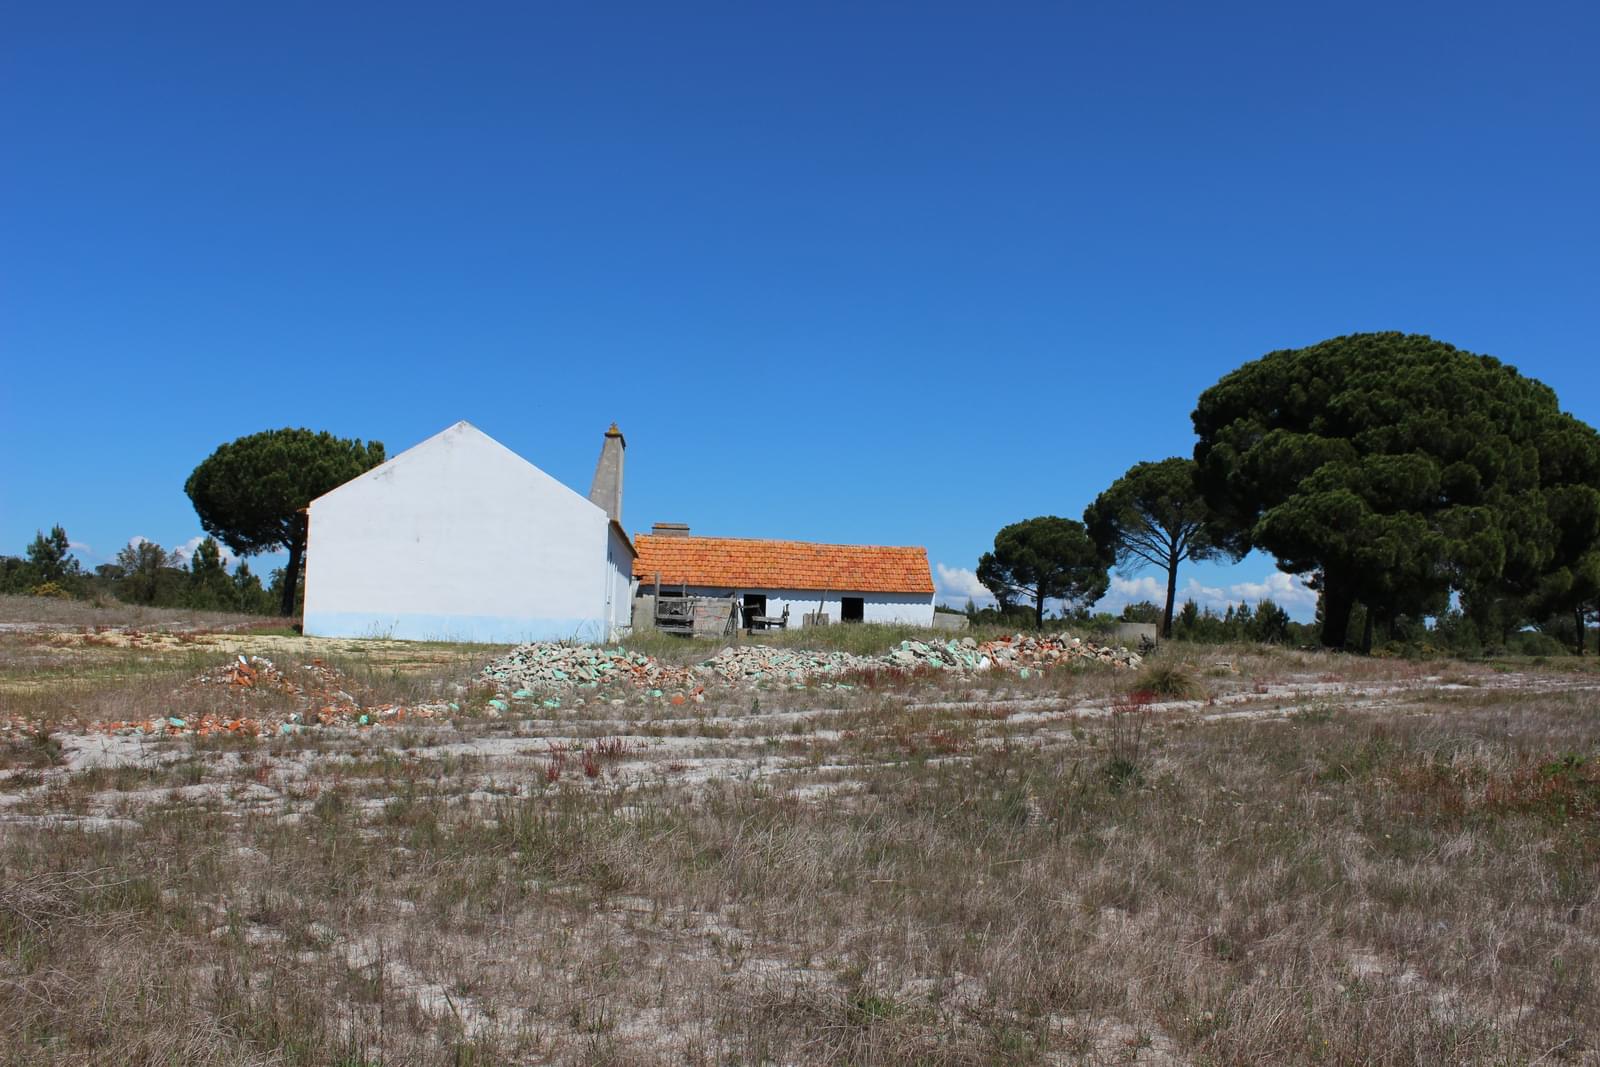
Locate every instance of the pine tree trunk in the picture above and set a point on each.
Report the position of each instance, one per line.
(1366, 632)
(1172, 596)
(291, 577)
(1337, 600)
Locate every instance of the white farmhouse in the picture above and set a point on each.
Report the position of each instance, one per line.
(837, 583)
(461, 539)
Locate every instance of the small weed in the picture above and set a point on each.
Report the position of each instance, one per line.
(611, 748)
(1319, 714)
(868, 1007)
(557, 763)
(1360, 760)
(1130, 716)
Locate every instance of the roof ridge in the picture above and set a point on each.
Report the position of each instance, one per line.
(772, 541)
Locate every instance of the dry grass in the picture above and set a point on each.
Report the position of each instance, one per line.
(54, 612)
(1316, 860)
(72, 678)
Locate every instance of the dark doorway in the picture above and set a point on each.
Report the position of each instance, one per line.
(754, 604)
(852, 609)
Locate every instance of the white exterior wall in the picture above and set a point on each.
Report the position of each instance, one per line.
(619, 579)
(909, 609)
(459, 538)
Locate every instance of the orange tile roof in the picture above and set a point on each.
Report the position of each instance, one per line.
(740, 563)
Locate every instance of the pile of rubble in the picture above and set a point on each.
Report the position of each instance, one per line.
(746, 665)
(541, 670)
(321, 698)
(256, 673)
(1019, 652)
(541, 667)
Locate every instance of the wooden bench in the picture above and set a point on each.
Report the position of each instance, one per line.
(768, 622)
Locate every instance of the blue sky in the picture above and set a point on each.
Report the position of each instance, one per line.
(883, 273)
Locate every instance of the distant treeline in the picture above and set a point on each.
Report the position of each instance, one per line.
(143, 573)
(1451, 633)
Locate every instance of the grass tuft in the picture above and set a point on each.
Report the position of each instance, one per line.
(1169, 681)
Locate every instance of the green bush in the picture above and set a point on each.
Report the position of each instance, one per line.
(1533, 643)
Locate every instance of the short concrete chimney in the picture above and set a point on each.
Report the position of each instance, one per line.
(670, 529)
(607, 488)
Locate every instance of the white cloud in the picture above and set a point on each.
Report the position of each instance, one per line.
(1288, 591)
(1204, 595)
(957, 585)
(185, 551)
(1125, 591)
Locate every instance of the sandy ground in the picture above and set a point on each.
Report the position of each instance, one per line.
(402, 654)
(692, 745)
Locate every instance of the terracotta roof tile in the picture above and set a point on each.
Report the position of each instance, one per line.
(751, 564)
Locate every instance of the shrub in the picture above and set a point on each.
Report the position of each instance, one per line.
(1171, 681)
(1532, 643)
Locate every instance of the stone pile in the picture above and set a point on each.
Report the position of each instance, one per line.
(542, 667)
(545, 670)
(248, 672)
(1021, 653)
(754, 664)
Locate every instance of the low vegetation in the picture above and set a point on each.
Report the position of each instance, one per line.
(29, 612)
(1241, 855)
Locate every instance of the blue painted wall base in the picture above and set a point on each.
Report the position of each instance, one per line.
(478, 629)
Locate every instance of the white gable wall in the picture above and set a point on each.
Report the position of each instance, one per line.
(461, 539)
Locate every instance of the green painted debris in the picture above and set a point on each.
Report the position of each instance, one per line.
(499, 704)
(177, 724)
